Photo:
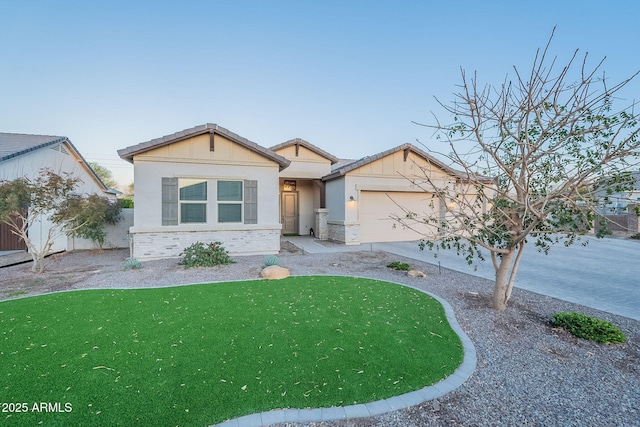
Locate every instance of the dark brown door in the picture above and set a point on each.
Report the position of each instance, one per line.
(10, 241)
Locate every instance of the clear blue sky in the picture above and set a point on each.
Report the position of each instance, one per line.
(347, 76)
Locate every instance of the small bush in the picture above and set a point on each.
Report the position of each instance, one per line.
(271, 260)
(588, 327)
(131, 264)
(635, 236)
(205, 255)
(125, 203)
(400, 266)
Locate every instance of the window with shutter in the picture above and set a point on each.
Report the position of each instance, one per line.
(193, 201)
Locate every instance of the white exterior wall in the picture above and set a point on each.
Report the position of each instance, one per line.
(383, 175)
(308, 202)
(117, 235)
(30, 164)
(306, 165)
(148, 176)
(342, 220)
(152, 240)
(354, 185)
(307, 170)
(335, 199)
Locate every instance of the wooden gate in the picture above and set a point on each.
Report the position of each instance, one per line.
(10, 241)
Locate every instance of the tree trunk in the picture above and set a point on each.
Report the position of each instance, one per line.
(501, 290)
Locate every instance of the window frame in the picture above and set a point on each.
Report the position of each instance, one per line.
(230, 202)
(184, 202)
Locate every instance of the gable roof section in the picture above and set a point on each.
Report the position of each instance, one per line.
(16, 144)
(302, 143)
(13, 145)
(404, 147)
(209, 128)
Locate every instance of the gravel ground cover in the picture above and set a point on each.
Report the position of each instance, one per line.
(528, 372)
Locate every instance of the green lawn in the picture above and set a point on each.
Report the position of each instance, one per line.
(200, 354)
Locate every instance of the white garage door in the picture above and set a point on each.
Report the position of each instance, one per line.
(376, 208)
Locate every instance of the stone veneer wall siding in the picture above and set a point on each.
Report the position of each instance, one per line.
(322, 228)
(149, 245)
(349, 234)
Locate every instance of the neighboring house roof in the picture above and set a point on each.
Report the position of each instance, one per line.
(302, 143)
(13, 145)
(16, 144)
(407, 148)
(209, 128)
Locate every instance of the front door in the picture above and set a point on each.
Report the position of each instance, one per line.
(289, 213)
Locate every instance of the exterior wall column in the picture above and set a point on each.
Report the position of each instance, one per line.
(322, 227)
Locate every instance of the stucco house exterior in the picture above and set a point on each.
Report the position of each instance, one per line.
(618, 202)
(204, 184)
(23, 155)
(620, 209)
(209, 184)
(302, 189)
(362, 196)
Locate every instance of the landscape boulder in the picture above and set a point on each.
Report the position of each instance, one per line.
(416, 273)
(274, 272)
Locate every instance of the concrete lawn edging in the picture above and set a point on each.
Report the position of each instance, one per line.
(378, 407)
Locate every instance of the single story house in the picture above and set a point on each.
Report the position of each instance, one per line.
(209, 184)
(618, 202)
(620, 208)
(23, 155)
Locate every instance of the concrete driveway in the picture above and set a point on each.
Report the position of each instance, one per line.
(604, 274)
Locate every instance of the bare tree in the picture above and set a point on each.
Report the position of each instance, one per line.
(550, 141)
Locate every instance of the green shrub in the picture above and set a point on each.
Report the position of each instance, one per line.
(271, 260)
(397, 265)
(93, 213)
(205, 255)
(131, 264)
(125, 203)
(588, 327)
(635, 236)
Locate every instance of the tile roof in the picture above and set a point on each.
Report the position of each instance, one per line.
(129, 152)
(412, 148)
(308, 145)
(17, 144)
(341, 163)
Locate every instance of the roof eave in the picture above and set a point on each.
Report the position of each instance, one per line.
(130, 152)
(87, 167)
